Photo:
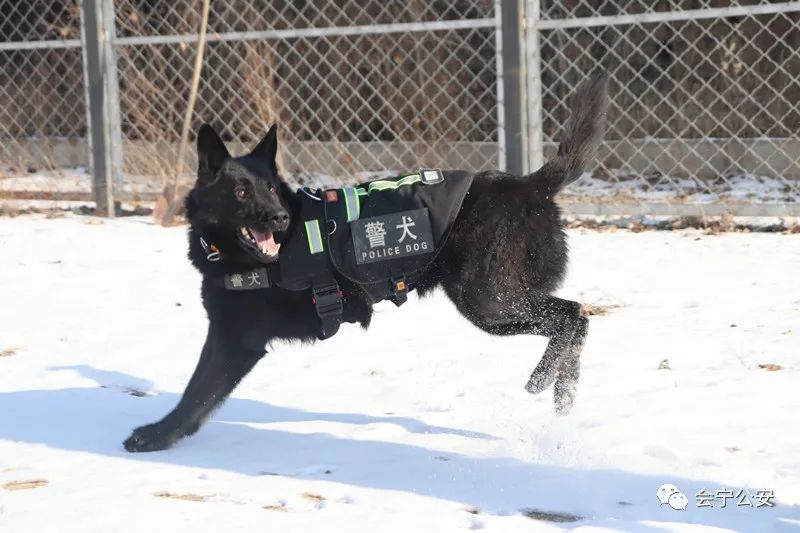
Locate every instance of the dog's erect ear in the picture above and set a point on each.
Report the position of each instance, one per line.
(267, 149)
(211, 153)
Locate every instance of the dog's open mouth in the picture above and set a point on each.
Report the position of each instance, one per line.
(263, 243)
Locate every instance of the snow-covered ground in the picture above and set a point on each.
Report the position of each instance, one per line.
(421, 424)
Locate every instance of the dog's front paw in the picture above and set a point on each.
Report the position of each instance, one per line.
(540, 380)
(151, 438)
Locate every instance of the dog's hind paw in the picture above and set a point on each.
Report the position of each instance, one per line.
(564, 395)
(563, 402)
(150, 438)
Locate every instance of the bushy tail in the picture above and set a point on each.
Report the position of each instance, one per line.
(582, 134)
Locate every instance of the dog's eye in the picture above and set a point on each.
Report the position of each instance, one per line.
(240, 192)
(272, 189)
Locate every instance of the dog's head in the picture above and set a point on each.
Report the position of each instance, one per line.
(241, 201)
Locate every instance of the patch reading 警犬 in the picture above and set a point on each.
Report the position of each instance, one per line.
(392, 236)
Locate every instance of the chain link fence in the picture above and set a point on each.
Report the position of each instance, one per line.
(357, 87)
(42, 98)
(705, 112)
(705, 115)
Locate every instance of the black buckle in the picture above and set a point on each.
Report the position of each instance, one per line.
(327, 300)
(399, 291)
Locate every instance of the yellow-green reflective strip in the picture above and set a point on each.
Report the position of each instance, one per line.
(314, 236)
(388, 185)
(352, 203)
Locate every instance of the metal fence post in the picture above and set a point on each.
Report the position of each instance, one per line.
(513, 103)
(111, 79)
(533, 66)
(102, 176)
(501, 111)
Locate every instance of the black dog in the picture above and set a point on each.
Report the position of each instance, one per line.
(505, 256)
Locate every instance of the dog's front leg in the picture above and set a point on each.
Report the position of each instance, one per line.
(224, 361)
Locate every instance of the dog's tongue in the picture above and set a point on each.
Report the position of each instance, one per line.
(266, 243)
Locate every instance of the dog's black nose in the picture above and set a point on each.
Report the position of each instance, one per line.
(281, 218)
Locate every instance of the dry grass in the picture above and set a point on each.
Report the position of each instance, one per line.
(598, 309)
(8, 352)
(313, 497)
(708, 225)
(770, 367)
(281, 508)
(550, 516)
(189, 497)
(26, 484)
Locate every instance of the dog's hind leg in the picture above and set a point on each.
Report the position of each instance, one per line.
(559, 320)
(569, 370)
(223, 363)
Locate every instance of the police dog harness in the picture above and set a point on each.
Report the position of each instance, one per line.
(380, 235)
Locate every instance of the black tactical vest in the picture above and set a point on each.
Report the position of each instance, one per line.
(380, 235)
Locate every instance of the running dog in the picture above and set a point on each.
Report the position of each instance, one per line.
(505, 256)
